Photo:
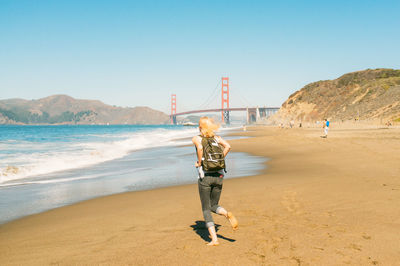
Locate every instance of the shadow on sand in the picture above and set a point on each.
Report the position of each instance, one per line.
(201, 229)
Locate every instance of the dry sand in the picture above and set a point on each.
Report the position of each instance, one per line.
(320, 201)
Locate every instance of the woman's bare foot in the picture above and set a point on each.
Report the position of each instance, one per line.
(213, 235)
(213, 243)
(233, 221)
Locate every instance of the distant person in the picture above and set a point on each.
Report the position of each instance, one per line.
(291, 123)
(326, 128)
(211, 174)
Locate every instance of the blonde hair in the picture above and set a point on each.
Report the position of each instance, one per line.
(207, 127)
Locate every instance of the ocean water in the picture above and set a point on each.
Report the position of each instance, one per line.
(45, 167)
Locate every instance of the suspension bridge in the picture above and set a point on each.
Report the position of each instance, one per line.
(254, 114)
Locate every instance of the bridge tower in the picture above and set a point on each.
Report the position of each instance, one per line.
(173, 109)
(225, 100)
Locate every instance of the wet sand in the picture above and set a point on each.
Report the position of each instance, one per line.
(320, 201)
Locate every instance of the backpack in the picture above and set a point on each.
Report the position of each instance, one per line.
(213, 155)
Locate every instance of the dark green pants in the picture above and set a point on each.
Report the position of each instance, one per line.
(210, 188)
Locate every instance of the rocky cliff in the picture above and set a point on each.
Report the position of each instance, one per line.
(372, 94)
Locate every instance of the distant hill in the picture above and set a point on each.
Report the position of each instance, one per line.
(63, 109)
(366, 95)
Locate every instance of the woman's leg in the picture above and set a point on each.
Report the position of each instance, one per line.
(215, 196)
(205, 192)
(221, 211)
(216, 189)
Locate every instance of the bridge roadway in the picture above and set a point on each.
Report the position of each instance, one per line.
(253, 113)
(211, 111)
(226, 109)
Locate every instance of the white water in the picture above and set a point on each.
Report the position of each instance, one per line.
(53, 157)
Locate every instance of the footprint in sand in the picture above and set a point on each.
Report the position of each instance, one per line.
(366, 236)
(291, 203)
(329, 214)
(355, 247)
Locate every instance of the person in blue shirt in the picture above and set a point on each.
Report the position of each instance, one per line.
(326, 128)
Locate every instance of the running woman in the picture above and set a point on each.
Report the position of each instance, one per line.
(210, 186)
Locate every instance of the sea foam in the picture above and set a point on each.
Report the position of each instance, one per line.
(46, 158)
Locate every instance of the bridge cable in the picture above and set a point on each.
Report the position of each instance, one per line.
(246, 102)
(210, 98)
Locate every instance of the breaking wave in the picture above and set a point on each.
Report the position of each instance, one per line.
(24, 159)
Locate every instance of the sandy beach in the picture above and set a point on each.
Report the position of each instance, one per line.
(320, 201)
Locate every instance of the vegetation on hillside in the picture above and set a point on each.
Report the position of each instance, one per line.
(368, 94)
(26, 117)
(63, 109)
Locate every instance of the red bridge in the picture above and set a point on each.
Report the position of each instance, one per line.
(253, 113)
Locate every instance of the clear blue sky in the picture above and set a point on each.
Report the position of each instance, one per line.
(131, 53)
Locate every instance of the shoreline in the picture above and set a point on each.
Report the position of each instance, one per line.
(74, 186)
(319, 201)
